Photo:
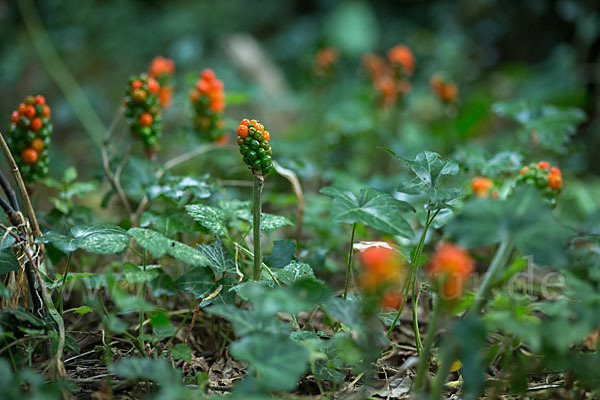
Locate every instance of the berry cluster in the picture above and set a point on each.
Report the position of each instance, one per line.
(390, 77)
(325, 61)
(383, 274)
(254, 146)
(543, 176)
(445, 90)
(143, 110)
(449, 269)
(482, 187)
(162, 69)
(208, 100)
(29, 137)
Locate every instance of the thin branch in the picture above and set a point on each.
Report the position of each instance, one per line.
(297, 188)
(10, 193)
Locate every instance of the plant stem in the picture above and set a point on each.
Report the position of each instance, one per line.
(412, 276)
(426, 353)
(256, 209)
(498, 262)
(143, 297)
(349, 268)
(62, 285)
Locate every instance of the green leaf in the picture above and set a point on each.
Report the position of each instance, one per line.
(200, 281)
(270, 222)
(169, 224)
(295, 271)
(107, 239)
(261, 319)
(282, 254)
(181, 352)
(134, 273)
(8, 262)
(150, 240)
(175, 187)
(211, 218)
(218, 257)
(135, 368)
(80, 310)
(345, 311)
(277, 361)
(525, 217)
(186, 253)
(63, 243)
(372, 207)
(428, 166)
(6, 241)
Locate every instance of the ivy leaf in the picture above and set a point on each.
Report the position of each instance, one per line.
(294, 272)
(106, 239)
(211, 218)
(150, 240)
(282, 254)
(525, 217)
(218, 258)
(200, 281)
(8, 262)
(175, 187)
(428, 166)
(270, 222)
(372, 207)
(553, 125)
(276, 360)
(63, 243)
(175, 222)
(186, 253)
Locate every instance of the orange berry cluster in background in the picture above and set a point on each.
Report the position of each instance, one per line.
(544, 176)
(481, 186)
(390, 76)
(29, 137)
(449, 269)
(143, 110)
(383, 274)
(162, 69)
(325, 60)
(445, 90)
(208, 101)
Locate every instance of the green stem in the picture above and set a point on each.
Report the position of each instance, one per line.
(62, 285)
(143, 296)
(498, 262)
(256, 209)
(415, 319)
(412, 276)
(437, 384)
(349, 267)
(426, 353)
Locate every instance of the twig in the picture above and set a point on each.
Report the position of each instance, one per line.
(297, 188)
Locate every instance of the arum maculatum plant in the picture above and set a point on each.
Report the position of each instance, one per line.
(143, 111)
(543, 176)
(29, 137)
(255, 149)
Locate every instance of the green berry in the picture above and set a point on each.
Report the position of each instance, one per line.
(251, 155)
(256, 164)
(254, 144)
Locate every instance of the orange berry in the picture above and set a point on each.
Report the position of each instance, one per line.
(259, 127)
(554, 181)
(222, 140)
(165, 95)
(37, 144)
(145, 119)
(14, 117)
(402, 56)
(217, 106)
(36, 124)
(524, 170)
(46, 112)
(30, 111)
(242, 130)
(382, 266)
(245, 121)
(208, 74)
(153, 86)
(392, 299)
(39, 99)
(137, 84)
(481, 186)
(22, 108)
(267, 136)
(29, 156)
(555, 170)
(161, 66)
(449, 92)
(450, 265)
(544, 165)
